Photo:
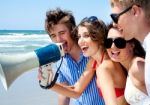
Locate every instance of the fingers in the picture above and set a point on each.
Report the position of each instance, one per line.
(39, 73)
(45, 75)
(50, 72)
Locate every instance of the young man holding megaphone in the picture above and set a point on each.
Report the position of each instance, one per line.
(60, 26)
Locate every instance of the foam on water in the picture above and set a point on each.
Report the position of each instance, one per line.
(25, 90)
(22, 41)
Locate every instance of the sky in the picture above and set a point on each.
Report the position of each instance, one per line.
(30, 14)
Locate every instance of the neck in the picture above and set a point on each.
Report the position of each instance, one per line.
(143, 32)
(75, 52)
(127, 63)
(143, 35)
(98, 56)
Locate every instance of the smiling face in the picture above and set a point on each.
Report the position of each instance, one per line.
(129, 21)
(87, 45)
(60, 34)
(119, 54)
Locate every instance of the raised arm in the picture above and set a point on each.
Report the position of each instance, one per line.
(76, 90)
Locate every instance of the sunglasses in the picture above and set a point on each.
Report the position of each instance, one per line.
(115, 16)
(90, 19)
(119, 43)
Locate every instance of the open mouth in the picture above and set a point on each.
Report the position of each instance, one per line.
(84, 49)
(65, 45)
(115, 53)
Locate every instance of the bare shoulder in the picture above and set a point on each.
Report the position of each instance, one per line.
(107, 66)
(137, 63)
(137, 68)
(137, 59)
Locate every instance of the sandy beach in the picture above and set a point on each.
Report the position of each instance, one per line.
(25, 90)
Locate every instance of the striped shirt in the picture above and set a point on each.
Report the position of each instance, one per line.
(70, 72)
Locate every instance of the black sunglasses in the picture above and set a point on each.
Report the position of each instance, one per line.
(115, 16)
(90, 19)
(119, 42)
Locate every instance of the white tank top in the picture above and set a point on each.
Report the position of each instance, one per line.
(134, 96)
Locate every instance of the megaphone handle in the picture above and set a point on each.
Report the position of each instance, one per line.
(55, 78)
(53, 82)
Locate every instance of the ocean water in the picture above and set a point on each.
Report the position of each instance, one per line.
(25, 90)
(16, 41)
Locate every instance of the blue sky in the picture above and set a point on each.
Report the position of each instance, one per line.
(30, 14)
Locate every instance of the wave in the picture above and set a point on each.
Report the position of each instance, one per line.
(23, 42)
(21, 32)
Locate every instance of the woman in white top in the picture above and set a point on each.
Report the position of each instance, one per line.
(131, 55)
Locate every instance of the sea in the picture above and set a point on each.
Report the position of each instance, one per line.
(25, 90)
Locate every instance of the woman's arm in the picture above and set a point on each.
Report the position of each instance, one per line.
(63, 100)
(137, 73)
(76, 90)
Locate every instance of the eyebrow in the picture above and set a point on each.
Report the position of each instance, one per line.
(112, 4)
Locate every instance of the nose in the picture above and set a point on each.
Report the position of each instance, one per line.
(80, 41)
(115, 25)
(59, 39)
(113, 45)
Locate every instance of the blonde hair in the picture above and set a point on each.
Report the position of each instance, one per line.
(144, 4)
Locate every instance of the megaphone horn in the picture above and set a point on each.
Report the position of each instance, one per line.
(12, 66)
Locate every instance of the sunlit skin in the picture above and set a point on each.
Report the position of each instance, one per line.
(131, 23)
(134, 65)
(116, 54)
(108, 77)
(138, 27)
(88, 47)
(123, 22)
(60, 34)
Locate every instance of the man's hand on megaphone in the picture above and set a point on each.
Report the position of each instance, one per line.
(45, 76)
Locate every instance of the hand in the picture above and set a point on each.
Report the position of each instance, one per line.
(45, 76)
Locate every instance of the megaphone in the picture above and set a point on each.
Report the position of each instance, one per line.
(12, 66)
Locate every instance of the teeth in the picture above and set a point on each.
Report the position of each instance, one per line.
(84, 48)
(64, 45)
(115, 53)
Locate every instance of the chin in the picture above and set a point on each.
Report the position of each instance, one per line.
(115, 60)
(86, 55)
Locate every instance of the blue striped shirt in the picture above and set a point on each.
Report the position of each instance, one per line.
(70, 72)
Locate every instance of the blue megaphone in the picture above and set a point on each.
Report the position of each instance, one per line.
(12, 66)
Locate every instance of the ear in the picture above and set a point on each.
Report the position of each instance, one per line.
(132, 46)
(136, 10)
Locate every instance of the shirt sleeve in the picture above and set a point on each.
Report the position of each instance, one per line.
(147, 63)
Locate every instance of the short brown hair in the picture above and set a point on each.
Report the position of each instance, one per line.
(58, 16)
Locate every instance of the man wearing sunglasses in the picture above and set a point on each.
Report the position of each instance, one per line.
(132, 17)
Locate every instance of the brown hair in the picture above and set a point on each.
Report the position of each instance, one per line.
(138, 49)
(97, 30)
(58, 16)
